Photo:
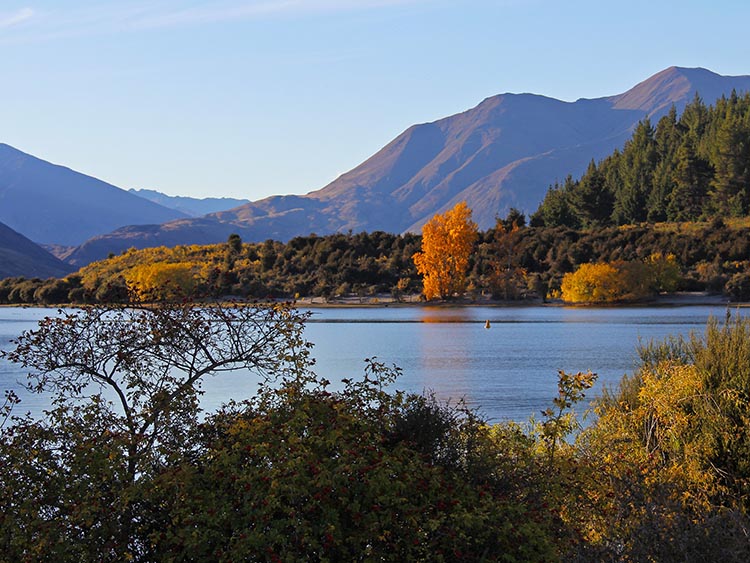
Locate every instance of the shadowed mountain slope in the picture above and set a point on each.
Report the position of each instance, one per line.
(503, 153)
(21, 257)
(56, 205)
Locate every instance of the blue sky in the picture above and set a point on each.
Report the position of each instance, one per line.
(249, 98)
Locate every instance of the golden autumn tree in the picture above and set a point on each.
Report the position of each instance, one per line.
(162, 280)
(447, 243)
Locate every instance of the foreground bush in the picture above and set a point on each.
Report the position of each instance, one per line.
(674, 445)
(297, 472)
(333, 476)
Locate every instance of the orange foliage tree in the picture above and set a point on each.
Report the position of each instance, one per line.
(447, 243)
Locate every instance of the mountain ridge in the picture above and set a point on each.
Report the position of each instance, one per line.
(502, 153)
(190, 206)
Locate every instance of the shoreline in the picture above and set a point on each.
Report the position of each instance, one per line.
(679, 299)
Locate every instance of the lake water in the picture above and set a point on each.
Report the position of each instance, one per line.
(508, 371)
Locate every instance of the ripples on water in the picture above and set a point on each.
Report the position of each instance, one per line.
(508, 371)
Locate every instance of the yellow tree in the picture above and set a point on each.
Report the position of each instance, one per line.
(162, 280)
(593, 283)
(447, 243)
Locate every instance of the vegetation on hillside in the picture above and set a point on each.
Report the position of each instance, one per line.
(125, 467)
(511, 261)
(688, 168)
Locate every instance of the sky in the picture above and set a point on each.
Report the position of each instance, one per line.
(252, 98)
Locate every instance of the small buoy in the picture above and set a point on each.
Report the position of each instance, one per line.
(487, 324)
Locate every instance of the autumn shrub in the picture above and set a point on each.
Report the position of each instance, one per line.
(163, 280)
(621, 280)
(664, 274)
(711, 275)
(674, 446)
(592, 283)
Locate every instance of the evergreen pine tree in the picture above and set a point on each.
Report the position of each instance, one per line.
(730, 157)
(590, 200)
(555, 211)
(691, 177)
(695, 120)
(637, 166)
(668, 137)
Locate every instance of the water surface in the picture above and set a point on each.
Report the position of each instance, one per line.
(508, 371)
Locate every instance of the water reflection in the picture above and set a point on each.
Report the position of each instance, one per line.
(445, 315)
(444, 359)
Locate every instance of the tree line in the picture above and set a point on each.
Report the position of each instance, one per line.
(687, 168)
(508, 262)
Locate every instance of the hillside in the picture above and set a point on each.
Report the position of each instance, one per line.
(52, 204)
(503, 153)
(21, 257)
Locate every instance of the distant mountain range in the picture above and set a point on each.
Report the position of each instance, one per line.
(194, 207)
(52, 204)
(503, 153)
(21, 257)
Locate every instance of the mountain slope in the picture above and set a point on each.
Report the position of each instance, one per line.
(503, 153)
(21, 257)
(191, 206)
(56, 205)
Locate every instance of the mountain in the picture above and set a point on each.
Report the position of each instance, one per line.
(21, 257)
(503, 153)
(56, 205)
(191, 206)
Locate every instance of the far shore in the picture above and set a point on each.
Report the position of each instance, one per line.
(386, 300)
(679, 299)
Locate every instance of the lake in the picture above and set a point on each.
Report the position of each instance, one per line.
(508, 371)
